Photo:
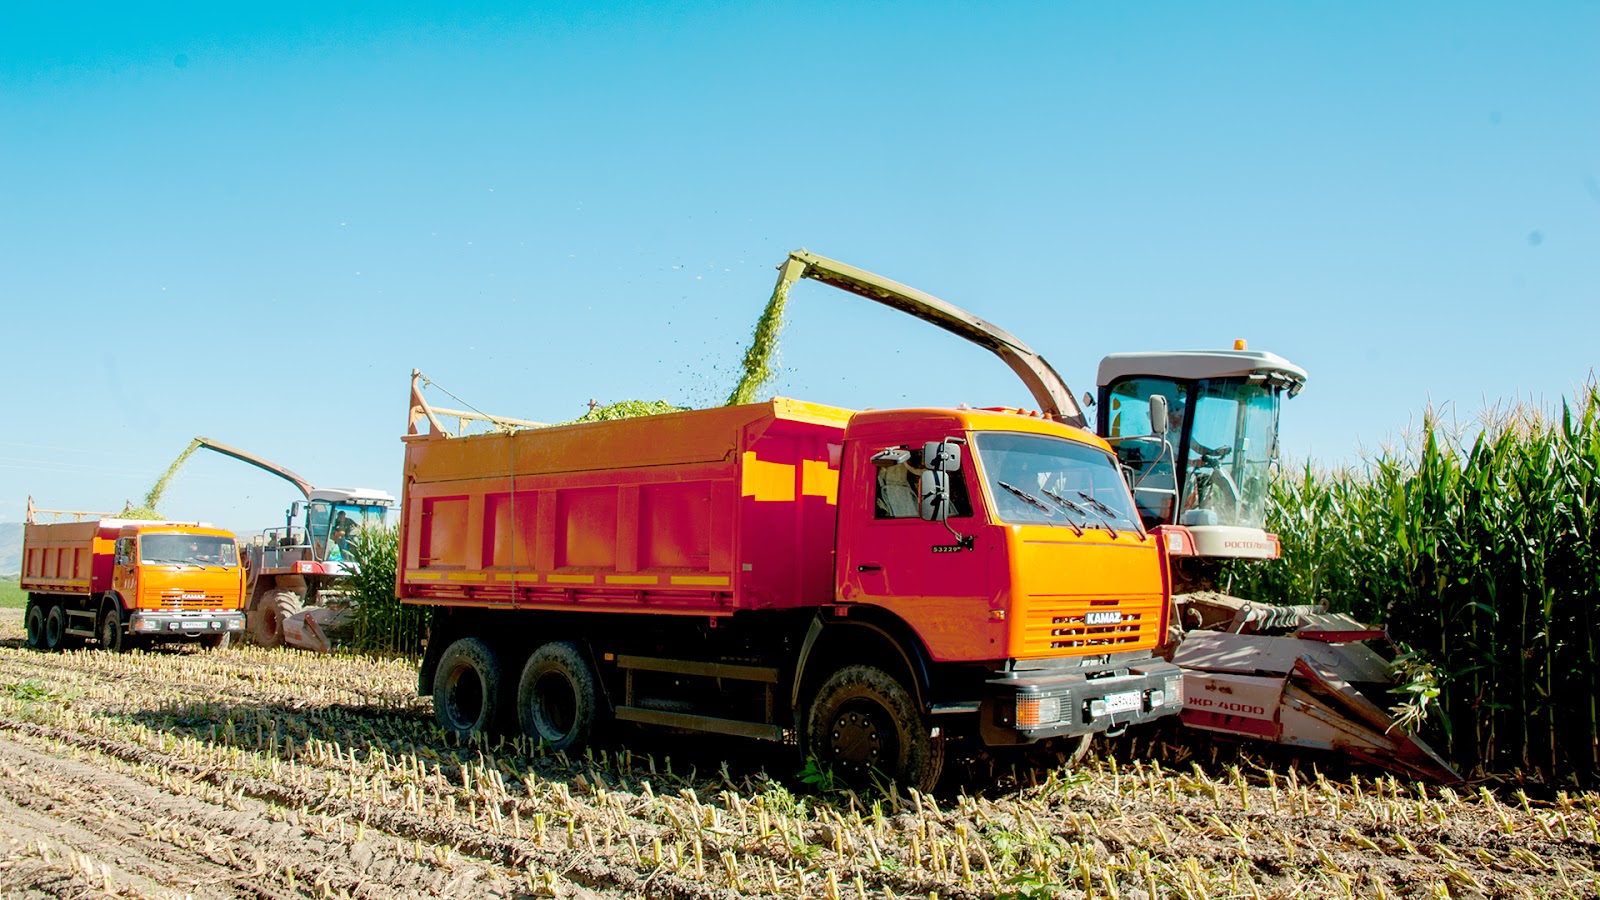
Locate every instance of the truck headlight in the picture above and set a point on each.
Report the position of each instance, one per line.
(1033, 711)
(140, 623)
(1097, 708)
(1174, 690)
(1154, 699)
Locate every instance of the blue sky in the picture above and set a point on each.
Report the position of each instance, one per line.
(252, 222)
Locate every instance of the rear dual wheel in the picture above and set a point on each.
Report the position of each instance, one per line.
(55, 627)
(557, 697)
(34, 621)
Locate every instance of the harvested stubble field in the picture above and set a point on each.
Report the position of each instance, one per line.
(246, 773)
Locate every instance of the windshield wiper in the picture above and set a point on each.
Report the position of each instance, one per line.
(1105, 510)
(1104, 520)
(1027, 497)
(1080, 510)
(1069, 505)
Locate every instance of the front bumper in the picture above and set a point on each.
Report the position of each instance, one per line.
(1024, 707)
(185, 623)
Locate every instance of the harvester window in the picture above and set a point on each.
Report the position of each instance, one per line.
(899, 487)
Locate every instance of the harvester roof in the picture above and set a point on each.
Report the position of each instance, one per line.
(1195, 364)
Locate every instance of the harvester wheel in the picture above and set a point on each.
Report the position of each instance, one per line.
(266, 621)
(557, 698)
(864, 725)
(35, 625)
(112, 635)
(55, 627)
(466, 688)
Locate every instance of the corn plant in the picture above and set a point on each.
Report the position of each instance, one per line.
(382, 624)
(1475, 547)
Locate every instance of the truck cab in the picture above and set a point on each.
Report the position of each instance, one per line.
(176, 580)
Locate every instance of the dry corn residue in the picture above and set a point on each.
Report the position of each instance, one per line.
(281, 773)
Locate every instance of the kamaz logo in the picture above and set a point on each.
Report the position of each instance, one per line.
(1102, 618)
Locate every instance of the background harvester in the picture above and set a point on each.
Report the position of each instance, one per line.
(873, 583)
(1197, 435)
(126, 582)
(295, 571)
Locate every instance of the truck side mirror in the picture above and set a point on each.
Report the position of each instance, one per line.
(1158, 414)
(942, 456)
(934, 495)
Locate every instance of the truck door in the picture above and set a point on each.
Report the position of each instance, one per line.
(890, 557)
(125, 570)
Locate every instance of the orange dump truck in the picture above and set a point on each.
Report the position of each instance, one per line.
(127, 581)
(875, 584)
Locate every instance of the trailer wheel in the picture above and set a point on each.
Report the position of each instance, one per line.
(863, 724)
(112, 635)
(35, 625)
(557, 698)
(55, 627)
(266, 621)
(466, 688)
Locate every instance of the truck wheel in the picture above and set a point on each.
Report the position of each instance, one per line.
(112, 635)
(266, 621)
(557, 699)
(466, 688)
(863, 724)
(55, 627)
(35, 625)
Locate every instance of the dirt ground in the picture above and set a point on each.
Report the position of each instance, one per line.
(246, 773)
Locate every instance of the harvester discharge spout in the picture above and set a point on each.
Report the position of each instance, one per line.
(1043, 382)
(303, 485)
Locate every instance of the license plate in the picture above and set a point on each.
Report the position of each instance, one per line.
(1102, 618)
(1124, 702)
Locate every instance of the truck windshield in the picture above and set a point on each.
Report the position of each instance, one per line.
(1232, 444)
(1039, 480)
(188, 549)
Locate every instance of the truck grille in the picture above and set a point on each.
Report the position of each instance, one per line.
(187, 600)
(1051, 625)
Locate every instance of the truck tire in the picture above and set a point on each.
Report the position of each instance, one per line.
(35, 625)
(466, 689)
(266, 620)
(113, 636)
(863, 724)
(55, 627)
(557, 697)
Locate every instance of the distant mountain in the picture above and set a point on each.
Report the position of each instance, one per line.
(10, 549)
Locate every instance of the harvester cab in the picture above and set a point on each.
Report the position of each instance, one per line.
(323, 526)
(1204, 472)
